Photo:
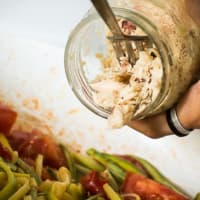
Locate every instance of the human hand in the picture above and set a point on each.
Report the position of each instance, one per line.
(188, 108)
(188, 112)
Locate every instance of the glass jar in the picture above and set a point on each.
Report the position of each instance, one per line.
(174, 33)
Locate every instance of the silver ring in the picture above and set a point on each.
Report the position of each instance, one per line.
(177, 123)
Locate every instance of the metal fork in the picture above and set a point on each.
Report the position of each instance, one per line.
(105, 11)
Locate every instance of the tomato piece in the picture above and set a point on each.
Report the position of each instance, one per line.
(7, 118)
(18, 138)
(148, 189)
(29, 145)
(93, 183)
(53, 155)
(5, 153)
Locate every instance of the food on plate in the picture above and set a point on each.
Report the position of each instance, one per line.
(7, 118)
(124, 89)
(34, 167)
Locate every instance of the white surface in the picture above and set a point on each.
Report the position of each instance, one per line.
(43, 20)
(32, 79)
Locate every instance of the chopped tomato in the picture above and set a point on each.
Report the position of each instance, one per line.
(93, 183)
(17, 138)
(29, 145)
(5, 153)
(54, 157)
(7, 118)
(148, 189)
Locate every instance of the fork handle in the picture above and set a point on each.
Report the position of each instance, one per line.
(107, 15)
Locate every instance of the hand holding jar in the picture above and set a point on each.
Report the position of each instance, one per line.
(187, 109)
(188, 113)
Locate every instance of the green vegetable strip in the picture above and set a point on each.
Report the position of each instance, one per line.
(58, 188)
(70, 162)
(64, 175)
(197, 197)
(5, 143)
(51, 196)
(100, 198)
(158, 176)
(116, 171)
(112, 181)
(16, 174)
(88, 162)
(45, 186)
(3, 179)
(126, 165)
(52, 172)
(28, 197)
(33, 193)
(28, 170)
(39, 165)
(12, 166)
(111, 194)
(41, 198)
(75, 191)
(10, 186)
(83, 170)
(67, 196)
(23, 190)
(96, 156)
(94, 197)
